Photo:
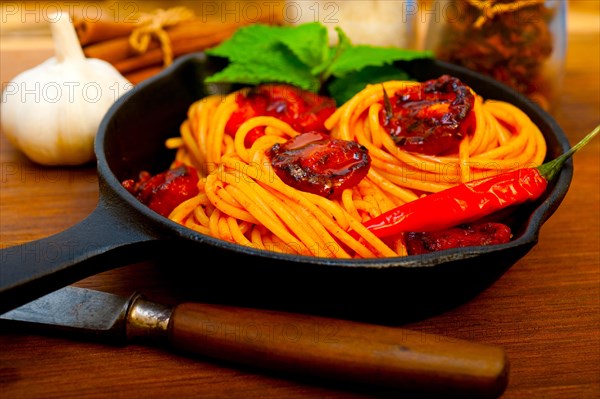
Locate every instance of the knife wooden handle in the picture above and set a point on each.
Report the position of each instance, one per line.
(341, 350)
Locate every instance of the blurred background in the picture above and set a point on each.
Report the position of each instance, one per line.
(24, 24)
(24, 20)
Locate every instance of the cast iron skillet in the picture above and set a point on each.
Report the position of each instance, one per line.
(121, 230)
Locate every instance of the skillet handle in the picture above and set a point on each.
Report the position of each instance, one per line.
(346, 351)
(100, 242)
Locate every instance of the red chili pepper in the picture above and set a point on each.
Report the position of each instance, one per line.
(473, 200)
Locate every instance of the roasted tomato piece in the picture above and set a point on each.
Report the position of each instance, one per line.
(164, 191)
(462, 236)
(430, 118)
(303, 110)
(246, 109)
(316, 163)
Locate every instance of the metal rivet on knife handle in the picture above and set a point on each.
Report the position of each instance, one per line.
(146, 320)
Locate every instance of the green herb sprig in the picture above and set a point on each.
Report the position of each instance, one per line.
(302, 56)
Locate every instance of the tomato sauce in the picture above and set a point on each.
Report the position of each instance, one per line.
(316, 163)
(164, 191)
(430, 118)
(469, 235)
(302, 110)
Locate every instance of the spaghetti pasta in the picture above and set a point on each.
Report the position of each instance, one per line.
(241, 199)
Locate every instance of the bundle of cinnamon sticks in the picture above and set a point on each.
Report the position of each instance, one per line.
(110, 40)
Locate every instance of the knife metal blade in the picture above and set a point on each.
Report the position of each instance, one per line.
(354, 352)
(94, 313)
(73, 309)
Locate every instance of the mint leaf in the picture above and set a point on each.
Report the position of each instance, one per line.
(344, 88)
(355, 58)
(334, 53)
(248, 43)
(301, 55)
(257, 55)
(343, 40)
(282, 69)
(309, 42)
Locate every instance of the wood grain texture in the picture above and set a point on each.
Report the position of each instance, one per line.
(338, 350)
(545, 311)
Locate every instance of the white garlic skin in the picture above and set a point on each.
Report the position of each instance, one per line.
(52, 111)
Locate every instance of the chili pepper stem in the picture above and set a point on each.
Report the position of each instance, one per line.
(550, 169)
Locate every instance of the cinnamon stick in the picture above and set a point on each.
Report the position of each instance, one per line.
(182, 45)
(118, 49)
(109, 40)
(112, 50)
(90, 32)
(139, 75)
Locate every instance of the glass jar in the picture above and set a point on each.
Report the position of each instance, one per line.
(521, 43)
(389, 23)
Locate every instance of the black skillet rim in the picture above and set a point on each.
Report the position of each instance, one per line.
(529, 237)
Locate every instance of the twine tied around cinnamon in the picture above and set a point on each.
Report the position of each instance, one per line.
(490, 8)
(153, 25)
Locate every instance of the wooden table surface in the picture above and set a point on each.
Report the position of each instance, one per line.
(545, 311)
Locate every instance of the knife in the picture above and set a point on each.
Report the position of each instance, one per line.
(325, 348)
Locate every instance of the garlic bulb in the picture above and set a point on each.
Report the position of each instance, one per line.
(52, 111)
